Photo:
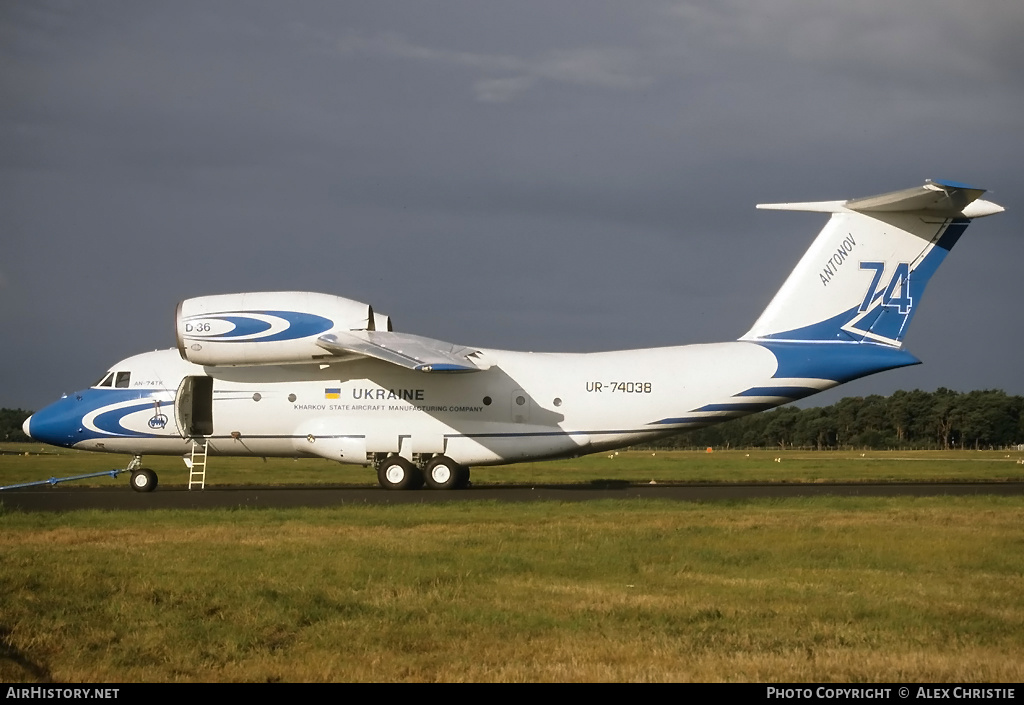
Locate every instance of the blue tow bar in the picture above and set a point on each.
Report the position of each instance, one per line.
(55, 480)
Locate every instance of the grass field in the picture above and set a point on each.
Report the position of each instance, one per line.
(43, 462)
(825, 589)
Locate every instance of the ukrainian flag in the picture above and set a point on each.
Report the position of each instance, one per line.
(332, 393)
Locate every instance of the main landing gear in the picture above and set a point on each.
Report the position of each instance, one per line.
(440, 473)
(142, 479)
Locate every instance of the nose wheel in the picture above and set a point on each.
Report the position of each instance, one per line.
(142, 479)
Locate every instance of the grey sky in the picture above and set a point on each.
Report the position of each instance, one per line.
(527, 175)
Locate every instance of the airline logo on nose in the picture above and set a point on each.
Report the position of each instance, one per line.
(158, 419)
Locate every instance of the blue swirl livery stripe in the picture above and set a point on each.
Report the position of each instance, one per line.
(789, 393)
(248, 327)
(746, 407)
(243, 325)
(110, 421)
(836, 362)
(839, 362)
(699, 420)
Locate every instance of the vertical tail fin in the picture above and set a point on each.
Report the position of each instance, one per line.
(863, 277)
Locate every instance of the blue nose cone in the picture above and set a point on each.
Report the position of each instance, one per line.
(58, 424)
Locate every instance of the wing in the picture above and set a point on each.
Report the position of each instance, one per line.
(413, 352)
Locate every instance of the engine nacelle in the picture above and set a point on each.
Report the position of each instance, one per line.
(267, 327)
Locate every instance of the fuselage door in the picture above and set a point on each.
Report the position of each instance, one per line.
(193, 407)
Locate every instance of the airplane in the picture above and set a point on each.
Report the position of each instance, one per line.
(299, 374)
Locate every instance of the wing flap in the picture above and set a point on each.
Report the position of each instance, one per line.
(413, 352)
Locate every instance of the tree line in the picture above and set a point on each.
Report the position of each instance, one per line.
(10, 425)
(942, 419)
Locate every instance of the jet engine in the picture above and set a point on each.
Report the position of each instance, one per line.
(266, 328)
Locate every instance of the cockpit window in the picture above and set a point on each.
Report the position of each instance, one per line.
(123, 378)
(105, 381)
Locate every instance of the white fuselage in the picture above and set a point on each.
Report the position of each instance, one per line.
(527, 405)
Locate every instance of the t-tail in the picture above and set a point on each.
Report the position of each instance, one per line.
(846, 307)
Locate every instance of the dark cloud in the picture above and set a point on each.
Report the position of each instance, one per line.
(561, 176)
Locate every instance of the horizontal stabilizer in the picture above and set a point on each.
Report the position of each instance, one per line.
(863, 277)
(946, 199)
(412, 352)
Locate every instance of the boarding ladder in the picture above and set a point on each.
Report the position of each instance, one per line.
(197, 464)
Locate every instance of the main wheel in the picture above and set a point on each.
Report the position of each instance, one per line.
(143, 480)
(397, 473)
(443, 473)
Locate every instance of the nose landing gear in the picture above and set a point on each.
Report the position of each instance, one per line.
(142, 479)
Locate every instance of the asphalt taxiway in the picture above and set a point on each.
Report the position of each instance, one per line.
(56, 499)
